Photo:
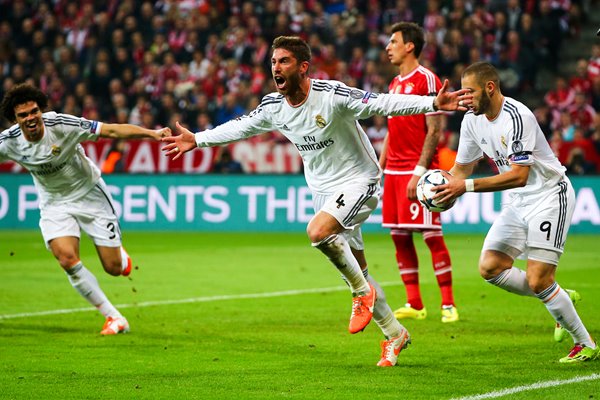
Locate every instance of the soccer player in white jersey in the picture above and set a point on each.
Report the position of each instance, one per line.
(535, 222)
(72, 195)
(320, 118)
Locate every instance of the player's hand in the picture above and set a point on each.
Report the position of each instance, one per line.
(177, 145)
(161, 133)
(460, 100)
(411, 188)
(451, 190)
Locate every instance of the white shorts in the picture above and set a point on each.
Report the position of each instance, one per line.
(93, 213)
(537, 231)
(351, 207)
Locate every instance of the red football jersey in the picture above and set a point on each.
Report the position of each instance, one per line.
(407, 133)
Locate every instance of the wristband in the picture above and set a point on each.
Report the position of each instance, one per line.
(419, 170)
(469, 185)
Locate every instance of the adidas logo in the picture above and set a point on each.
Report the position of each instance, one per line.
(483, 141)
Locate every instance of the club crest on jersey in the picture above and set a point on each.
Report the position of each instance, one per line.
(503, 141)
(55, 150)
(409, 88)
(320, 121)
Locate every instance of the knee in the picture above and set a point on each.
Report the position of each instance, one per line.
(489, 268)
(538, 283)
(66, 259)
(316, 233)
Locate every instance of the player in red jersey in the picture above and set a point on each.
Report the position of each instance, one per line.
(410, 148)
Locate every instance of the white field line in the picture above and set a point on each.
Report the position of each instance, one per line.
(534, 386)
(190, 300)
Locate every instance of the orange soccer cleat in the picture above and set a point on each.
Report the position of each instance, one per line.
(391, 348)
(362, 310)
(114, 326)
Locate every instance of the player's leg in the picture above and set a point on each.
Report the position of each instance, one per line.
(66, 250)
(337, 213)
(402, 216)
(442, 267)
(96, 216)
(396, 335)
(324, 231)
(548, 228)
(408, 265)
(504, 242)
(496, 267)
(115, 260)
(100, 221)
(541, 279)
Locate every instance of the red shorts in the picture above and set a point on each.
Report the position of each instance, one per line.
(400, 212)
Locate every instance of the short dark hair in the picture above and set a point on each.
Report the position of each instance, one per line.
(484, 72)
(21, 94)
(411, 32)
(298, 47)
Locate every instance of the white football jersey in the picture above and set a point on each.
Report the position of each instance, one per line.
(514, 137)
(61, 171)
(334, 148)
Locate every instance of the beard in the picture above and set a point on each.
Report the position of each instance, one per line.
(484, 104)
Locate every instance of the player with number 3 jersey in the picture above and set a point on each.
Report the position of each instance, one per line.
(72, 195)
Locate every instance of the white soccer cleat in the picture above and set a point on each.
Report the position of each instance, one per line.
(114, 326)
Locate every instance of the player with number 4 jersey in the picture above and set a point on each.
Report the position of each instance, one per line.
(321, 119)
(535, 221)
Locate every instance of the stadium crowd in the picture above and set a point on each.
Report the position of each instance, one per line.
(204, 62)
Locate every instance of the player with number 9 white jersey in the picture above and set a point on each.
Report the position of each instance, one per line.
(546, 203)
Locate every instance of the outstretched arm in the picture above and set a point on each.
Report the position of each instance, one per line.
(129, 131)
(451, 101)
(182, 143)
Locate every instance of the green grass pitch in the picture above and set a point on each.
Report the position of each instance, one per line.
(243, 316)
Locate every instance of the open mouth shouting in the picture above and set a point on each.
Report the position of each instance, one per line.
(280, 83)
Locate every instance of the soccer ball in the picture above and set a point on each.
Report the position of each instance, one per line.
(425, 195)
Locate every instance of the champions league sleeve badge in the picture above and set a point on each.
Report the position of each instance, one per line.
(517, 146)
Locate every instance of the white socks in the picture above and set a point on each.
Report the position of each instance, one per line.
(124, 258)
(513, 280)
(556, 300)
(337, 249)
(560, 306)
(382, 313)
(87, 286)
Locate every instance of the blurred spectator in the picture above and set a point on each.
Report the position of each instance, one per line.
(229, 109)
(225, 164)
(580, 82)
(178, 58)
(577, 164)
(582, 113)
(448, 147)
(561, 96)
(377, 132)
(115, 159)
